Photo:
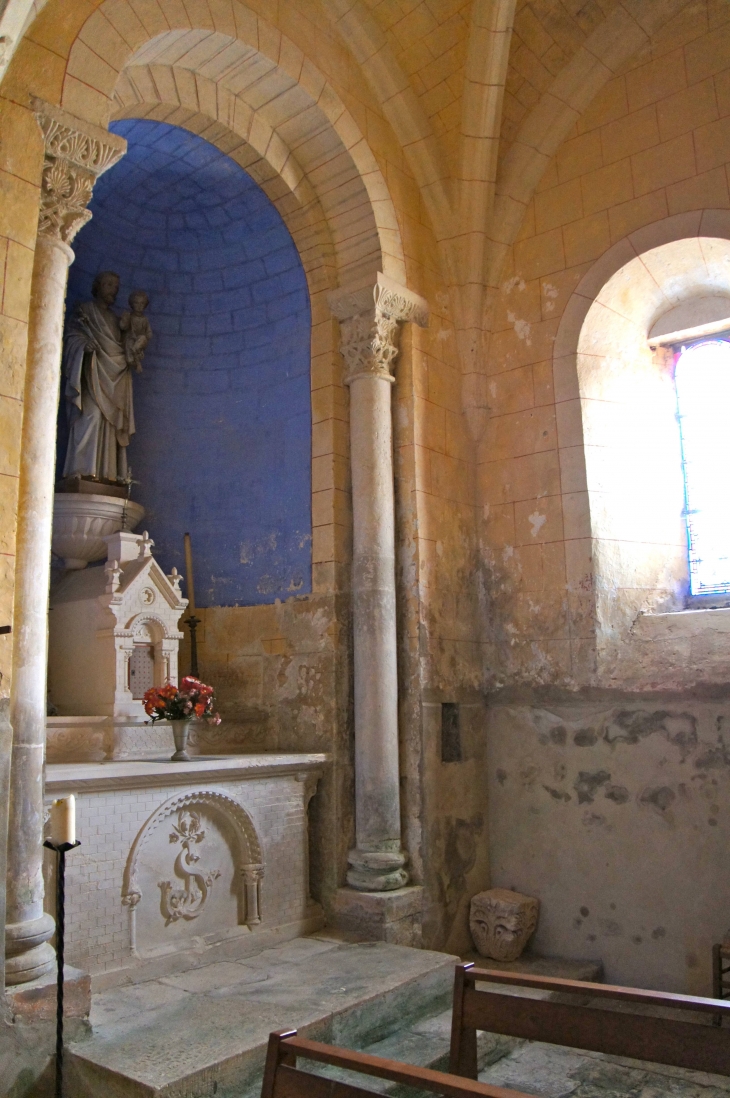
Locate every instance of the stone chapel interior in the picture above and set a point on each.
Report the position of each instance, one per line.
(368, 361)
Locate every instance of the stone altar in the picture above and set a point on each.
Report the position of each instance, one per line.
(179, 858)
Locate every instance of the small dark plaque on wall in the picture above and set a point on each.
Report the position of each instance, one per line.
(450, 732)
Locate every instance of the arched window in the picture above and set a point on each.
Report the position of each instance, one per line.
(702, 379)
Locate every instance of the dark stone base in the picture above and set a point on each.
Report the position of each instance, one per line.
(394, 917)
(92, 487)
(36, 1001)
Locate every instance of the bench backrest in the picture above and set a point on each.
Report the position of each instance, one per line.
(572, 1023)
(283, 1079)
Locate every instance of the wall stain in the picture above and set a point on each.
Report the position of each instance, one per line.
(633, 725)
(457, 858)
(595, 819)
(659, 798)
(588, 783)
(585, 737)
(557, 794)
(619, 794)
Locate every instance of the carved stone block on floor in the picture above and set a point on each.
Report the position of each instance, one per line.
(394, 917)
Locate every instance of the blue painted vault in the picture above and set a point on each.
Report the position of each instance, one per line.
(223, 442)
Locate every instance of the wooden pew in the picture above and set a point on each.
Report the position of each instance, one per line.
(283, 1079)
(575, 1025)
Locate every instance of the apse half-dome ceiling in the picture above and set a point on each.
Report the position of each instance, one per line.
(223, 423)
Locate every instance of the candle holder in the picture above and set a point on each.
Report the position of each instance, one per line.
(62, 850)
(192, 623)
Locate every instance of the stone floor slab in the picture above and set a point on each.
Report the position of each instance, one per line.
(204, 1032)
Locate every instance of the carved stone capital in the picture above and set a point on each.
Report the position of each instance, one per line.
(369, 318)
(76, 154)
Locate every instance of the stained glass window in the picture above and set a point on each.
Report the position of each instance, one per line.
(702, 378)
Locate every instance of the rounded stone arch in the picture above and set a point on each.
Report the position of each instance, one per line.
(242, 72)
(247, 854)
(618, 438)
(156, 624)
(288, 190)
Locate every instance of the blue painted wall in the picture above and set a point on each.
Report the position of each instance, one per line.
(223, 442)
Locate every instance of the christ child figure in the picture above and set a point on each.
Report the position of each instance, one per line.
(135, 328)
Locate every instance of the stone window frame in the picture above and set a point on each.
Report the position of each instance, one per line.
(667, 644)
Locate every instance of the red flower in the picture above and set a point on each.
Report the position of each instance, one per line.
(194, 698)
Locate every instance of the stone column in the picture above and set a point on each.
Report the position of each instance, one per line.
(75, 154)
(369, 320)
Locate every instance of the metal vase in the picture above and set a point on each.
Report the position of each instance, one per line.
(180, 732)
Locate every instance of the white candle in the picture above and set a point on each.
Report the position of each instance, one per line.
(63, 821)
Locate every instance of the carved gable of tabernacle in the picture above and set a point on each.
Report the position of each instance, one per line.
(114, 632)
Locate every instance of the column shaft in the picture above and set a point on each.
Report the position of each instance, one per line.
(28, 929)
(374, 623)
(76, 153)
(368, 323)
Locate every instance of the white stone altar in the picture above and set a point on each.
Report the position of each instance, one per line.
(180, 857)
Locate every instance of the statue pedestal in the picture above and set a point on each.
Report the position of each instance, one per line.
(81, 522)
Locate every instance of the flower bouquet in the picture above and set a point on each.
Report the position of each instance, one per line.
(191, 701)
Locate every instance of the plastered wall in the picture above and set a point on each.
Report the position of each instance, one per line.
(615, 814)
(608, 806)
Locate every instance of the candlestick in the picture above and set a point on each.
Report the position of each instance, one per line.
(63, 821)
(189, 575)
(61, 849)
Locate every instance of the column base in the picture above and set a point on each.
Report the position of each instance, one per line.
(28, 956)
(377, 870)
(395, 916)
(36, 1001)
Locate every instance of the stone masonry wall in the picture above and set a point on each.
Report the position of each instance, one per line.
(652, 144)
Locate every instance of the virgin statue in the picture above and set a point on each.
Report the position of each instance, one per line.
(97, 365)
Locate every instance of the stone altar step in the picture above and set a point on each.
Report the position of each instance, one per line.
(204, 1031)
(426, 1042)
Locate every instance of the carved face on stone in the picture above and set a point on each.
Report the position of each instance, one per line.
(502, 922)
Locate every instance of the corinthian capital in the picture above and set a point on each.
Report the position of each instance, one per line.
(76, 154)
(369, 318)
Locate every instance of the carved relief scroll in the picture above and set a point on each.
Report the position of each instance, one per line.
(210, 883)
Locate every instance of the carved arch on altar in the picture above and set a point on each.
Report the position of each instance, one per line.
(246, 850)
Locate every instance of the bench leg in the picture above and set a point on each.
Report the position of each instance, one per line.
(716, 981)
(463, 1054)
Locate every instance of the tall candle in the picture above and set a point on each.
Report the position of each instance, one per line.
(63, 821)
(189, 575)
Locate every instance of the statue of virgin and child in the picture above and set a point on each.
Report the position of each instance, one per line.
(101, 350)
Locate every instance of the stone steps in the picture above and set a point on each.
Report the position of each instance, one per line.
(203, 1032)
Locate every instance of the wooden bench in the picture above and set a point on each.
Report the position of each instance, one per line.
(640, 1036)
(283, 1079)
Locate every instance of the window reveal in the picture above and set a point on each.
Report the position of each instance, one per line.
(702, 380)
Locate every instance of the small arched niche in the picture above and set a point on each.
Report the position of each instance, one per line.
(633, 506)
